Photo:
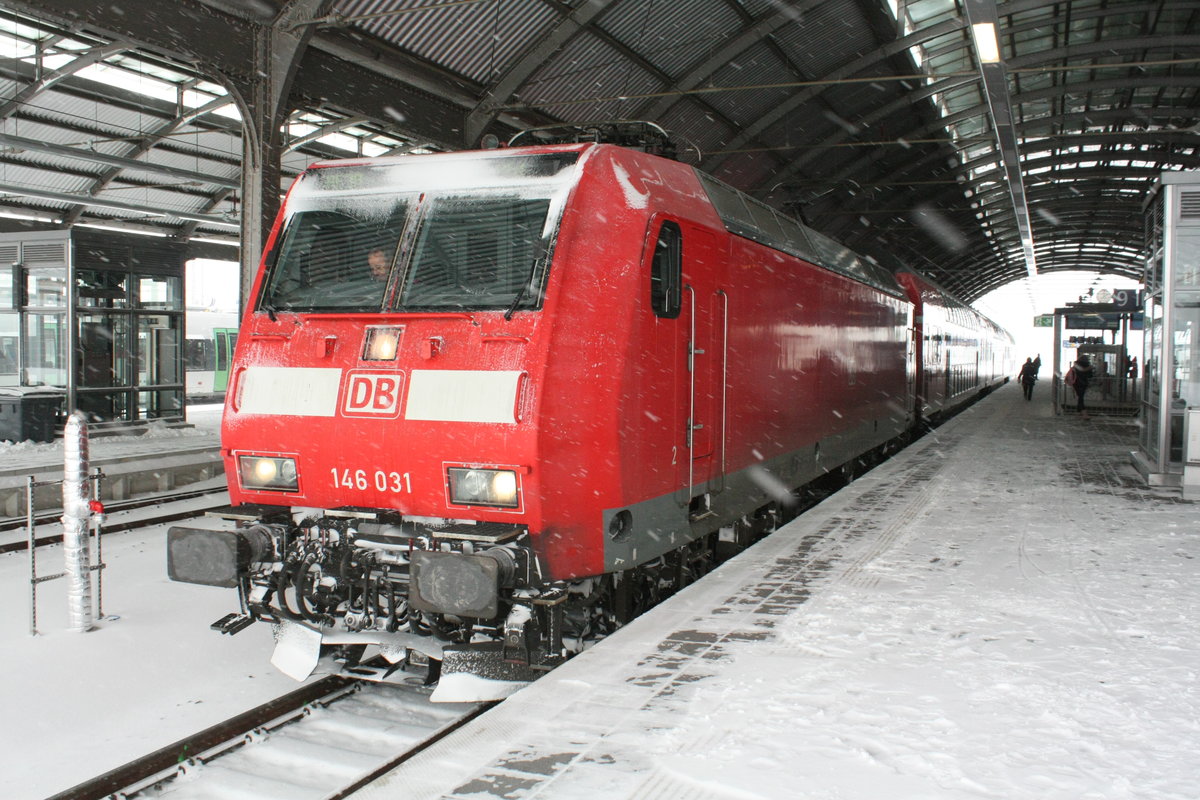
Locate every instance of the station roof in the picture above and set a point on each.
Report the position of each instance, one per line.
(890, 125)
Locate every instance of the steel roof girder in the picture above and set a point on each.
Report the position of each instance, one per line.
(94, 157)
(537, 54)
(84, 60)
(190, 31)
(848, 70)
(120, 205)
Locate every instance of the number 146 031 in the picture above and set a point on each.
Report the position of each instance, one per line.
(380, 481)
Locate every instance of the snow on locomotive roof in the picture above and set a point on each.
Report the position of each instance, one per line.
(474, 170)
(515, 169)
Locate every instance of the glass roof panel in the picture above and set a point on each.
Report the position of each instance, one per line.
(193, 99)
(22, 31)
(923, 12)
(1031, 81)
(134, 64)
(15, 47)
(130, 81)
(212, 88)
(1029, 40)
(72, 44)
(230, 111)
(341, 141)
(56, 61)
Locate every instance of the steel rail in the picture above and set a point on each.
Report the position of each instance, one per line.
(49, 517)
(157, 767)
(384, 769)
(146, 776)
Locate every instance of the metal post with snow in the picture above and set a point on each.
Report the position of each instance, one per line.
(76, 514)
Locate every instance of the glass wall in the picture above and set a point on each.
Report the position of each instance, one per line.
(98, 315)
(46, 287)
(1171, 358)
(104, 364)
(1185, 336)
(1152, 378)
(10, 328)
(45, 349)
(160, 292)
(101, 289)
(159, 363)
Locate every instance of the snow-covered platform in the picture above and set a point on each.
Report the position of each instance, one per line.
(150, 672)
(1002, 610)
(145, 460)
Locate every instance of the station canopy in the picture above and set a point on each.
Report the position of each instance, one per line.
(976, 141)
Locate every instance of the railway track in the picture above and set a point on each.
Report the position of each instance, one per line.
(158, 509)
(323, 741)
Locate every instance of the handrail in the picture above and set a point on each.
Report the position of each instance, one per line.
(691, 365)
(724, 381)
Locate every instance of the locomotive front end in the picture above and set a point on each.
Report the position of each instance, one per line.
(380, 430)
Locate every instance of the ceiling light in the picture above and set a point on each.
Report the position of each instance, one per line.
(986, 45)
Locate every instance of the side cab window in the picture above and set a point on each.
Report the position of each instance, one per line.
(666, 271)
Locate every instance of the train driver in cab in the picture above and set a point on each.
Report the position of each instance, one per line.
(377, 261)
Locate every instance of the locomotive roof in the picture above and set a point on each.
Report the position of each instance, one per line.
(741, 214)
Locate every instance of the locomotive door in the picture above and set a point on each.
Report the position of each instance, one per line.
(706, 309)
(912, 359)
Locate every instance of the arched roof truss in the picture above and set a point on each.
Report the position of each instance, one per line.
(883, 123)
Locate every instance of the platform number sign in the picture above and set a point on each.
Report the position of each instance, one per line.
(1126, 299)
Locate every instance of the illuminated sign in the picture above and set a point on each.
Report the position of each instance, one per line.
(1127, 299)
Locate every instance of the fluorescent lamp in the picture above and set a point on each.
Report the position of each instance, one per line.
(122, 229)
(35, 216)
(986, 44)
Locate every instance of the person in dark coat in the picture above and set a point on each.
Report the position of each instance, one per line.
(1028, 377)
(1083, 376)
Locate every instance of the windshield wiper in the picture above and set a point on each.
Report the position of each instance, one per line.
(521, 292)
(538, 255)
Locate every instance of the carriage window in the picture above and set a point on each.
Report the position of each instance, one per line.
(198, 354)
(666, 271)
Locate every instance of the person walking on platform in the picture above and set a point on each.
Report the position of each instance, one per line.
(1078, 377)
(1028, 377)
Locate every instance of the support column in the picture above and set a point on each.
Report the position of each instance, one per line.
(278, 48)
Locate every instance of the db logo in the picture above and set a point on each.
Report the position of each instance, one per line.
(372, 394)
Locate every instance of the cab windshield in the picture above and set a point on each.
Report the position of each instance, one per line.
(441, 233)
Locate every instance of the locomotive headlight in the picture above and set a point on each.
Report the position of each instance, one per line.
(268, 472)
(382, 344)
(504, 486)
(265, 470)
(484, 487)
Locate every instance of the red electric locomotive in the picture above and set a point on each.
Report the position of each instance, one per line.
(487, 405)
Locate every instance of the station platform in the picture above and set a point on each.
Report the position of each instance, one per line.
(1001, 610)
(148, 459)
